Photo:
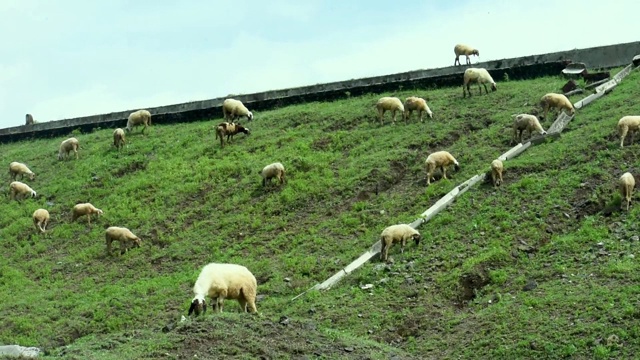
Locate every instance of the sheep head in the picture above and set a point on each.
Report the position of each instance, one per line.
(243, 129)
(32, 176)
(198, 306)
(137, 242)
(493, 87)
(417, 238)
(33, 193)
(475, 52)
(456, 167)
(249, 115)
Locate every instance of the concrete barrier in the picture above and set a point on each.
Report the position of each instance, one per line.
(525, 67)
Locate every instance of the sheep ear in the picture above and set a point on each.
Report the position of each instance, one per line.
(193, 306)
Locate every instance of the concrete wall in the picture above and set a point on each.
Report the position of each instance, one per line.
(525, 67)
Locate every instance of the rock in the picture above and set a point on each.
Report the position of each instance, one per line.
(531, 284)
(284, 320)
(287, 279)
(348, 349)
(635, 238)
(367, 286)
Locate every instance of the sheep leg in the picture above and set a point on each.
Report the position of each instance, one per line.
(89, 218)
(457, 60)
(381, 115)
(623, 133)
(468, 60)
(485, 89)
(444, 171)
(633, 133)
(243, 304)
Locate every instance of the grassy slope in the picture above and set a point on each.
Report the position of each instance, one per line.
(192, 202)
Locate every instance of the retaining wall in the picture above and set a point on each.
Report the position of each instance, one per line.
(525, 67)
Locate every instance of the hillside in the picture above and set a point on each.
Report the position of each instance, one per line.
(459, 294)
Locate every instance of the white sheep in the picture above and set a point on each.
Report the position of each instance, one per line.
(119, 138)
(275, 170)
(415, 103)
(628, 124)
(19, 190)
(627, 182)
(397, 233)
(466, 50)
(525, 122)
(479, 76)
(140, 117)
(440, 159)
(558, 101)
(71, 144)
(124, 236)
(389, 103)
(16, 168)
(29, 120)
(224, 281)
(41, 219)
(496, 172)
(232, 109)
(85, 209)
(229, 130)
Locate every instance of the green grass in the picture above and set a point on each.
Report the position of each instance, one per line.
(459, 294)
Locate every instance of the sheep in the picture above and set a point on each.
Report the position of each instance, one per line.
(230, 129)
(479, 76)
(124, 236)
(275, 170)
(41, 219)
(224, 281)
(29, 120)
(19, 190)
(440, 159)
(140, 117)
(415, 103)
(232, 109)
(466, 50)
(388, 103)
(71, 144)
(119, 138)
(627, 182)
(16, 168)
(525, 122)
(85, 209)
(496, 172)
(630, 123)
(553, 100)
(397, 233)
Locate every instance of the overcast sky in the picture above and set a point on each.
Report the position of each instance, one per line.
(67, 58)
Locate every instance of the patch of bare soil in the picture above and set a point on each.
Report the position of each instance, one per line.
(130, 168)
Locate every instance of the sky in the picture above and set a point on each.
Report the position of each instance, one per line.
(68, 58)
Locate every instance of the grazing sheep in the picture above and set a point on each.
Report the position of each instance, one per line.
(230, 129)
(85, 209)
(232, 109)
(479, 76)
(40, 219)
(628, 124)
(71, 144)
(496, 172)
(140, 117)
(627, 182)
(124, 236)
(415, 103)
(465, 50)
(440, 159)
(29, 120)
(224, 281)
(275, 170)
(525, 122)
(558, 101)
(119, 138)
(388, 103)
(19, 191)
(16, 168)
(397, 233)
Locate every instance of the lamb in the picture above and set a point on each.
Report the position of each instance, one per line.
(232, 109)
(630, 123)
(41, 219)
(627, 182)
(392, 104)
(553, 100)
(29, 120)
(140, 117)
(275, 170)
(230, 129)
(415, 103)
(124, 236)
(525, 122)
(496, 172)
(119, 138)
(71, 144)
(466, 50)
(85, 209)
(16, 168)
(397, 233)
(19, 191)
(224, 281)
(440, 159)
(479, 76)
